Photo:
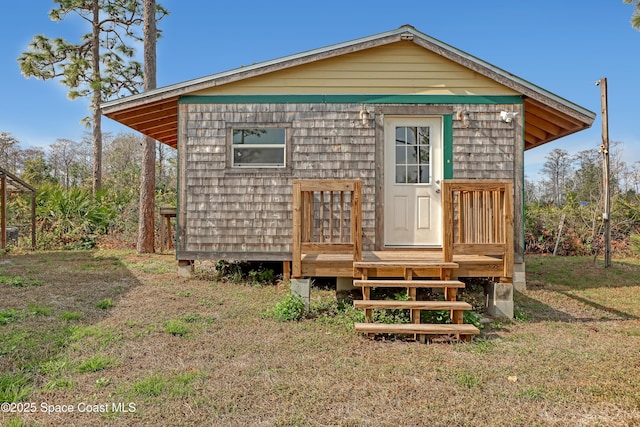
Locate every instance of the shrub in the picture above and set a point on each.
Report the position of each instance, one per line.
(70, 218)
(253, 273)
(336, 312)
(289, 309)
(444, 316)
(262, 276)
(393, 316)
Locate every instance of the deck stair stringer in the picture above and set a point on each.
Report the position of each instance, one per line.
(385, 275)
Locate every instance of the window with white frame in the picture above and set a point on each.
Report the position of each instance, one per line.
(258, 148)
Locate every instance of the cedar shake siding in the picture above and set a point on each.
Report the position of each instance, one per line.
(242, 213)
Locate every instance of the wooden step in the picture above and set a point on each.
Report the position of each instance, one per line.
(412, 328)
(404, 264)
(409, 283)
(413, 305)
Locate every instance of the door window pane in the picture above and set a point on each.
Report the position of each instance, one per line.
(413, 155)
(401, 174)
(412, 175)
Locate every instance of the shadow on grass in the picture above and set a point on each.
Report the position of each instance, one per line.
(566, 277)
(532, 310)
(53, 296)
(617, 313)
(580, 273)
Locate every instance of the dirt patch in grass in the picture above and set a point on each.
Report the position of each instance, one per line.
(572, 359)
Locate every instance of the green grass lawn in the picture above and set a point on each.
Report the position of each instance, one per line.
(122, 341)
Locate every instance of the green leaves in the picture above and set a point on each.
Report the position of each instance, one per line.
(117, 26)
(635, 17)
(70, 216)
(291, 308)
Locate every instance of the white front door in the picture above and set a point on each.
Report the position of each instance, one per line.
(413, 174)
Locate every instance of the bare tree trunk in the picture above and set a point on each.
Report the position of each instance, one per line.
(160, 175)
(146, 224)
(97, 115)
(146, 227)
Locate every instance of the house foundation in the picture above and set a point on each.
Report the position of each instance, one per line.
(500, 300)
(345, 288)
(302, 288)
(519, 277)
(186, 268)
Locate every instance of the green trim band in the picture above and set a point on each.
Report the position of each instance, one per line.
(351, 99)
(447, 139)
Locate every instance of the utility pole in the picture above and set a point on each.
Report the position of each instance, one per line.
(604, 150)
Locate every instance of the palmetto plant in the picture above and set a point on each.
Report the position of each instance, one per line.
(71, 214)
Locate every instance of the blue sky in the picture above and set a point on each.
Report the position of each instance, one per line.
(562, 46)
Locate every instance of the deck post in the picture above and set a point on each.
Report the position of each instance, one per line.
(356, 220)
(447, 222)
(509, 241)
(296, 253)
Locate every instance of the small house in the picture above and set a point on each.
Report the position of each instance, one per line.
(390, 156)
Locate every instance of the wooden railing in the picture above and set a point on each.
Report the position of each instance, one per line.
(327, 219)
(478, 219)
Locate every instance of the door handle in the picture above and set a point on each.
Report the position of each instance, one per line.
(438, 190)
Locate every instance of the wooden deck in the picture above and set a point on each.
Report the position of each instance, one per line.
(477, 230)
(341, 265)
(477, 242)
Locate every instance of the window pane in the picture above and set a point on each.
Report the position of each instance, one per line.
(401, 177)
(412, 155)
(411, 135)
(424, 155)
(258, 136)
(401, 155)
(424, 136)
(424, 175)
(400, 136)
(412, 174)
(256, 156)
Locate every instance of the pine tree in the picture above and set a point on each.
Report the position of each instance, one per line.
(99, 66)
(635, 17)
(146, 225)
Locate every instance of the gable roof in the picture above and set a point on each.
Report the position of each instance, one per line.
(547, 116)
